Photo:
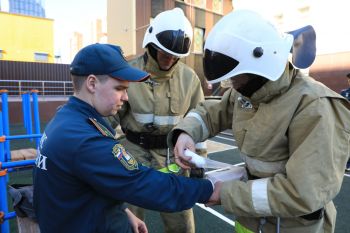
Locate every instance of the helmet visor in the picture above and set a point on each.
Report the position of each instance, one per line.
(176, 41)
(216, 64)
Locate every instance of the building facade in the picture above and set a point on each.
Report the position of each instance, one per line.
(27, 7)
(26, 35)
(26, 38)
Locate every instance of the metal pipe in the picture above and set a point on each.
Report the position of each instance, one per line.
(4, 227)
(24, 136)
(20, 163)
(5, 120)
(36, 116)
(10, 215)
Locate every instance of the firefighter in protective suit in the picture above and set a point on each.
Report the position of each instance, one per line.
(156, 106)
(292, 131)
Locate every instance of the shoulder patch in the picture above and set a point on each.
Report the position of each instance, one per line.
(101, 128)
(128, 161)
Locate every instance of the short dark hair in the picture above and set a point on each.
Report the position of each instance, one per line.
(348, 75)
(79, 80)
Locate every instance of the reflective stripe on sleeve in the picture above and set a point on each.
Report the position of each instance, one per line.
(260, 198)
(143, 118)
(199, 118)
(157, 120)
(263, 166)
(201, 145)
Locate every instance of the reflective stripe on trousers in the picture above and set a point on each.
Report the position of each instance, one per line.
(171, 168)
(241, 229)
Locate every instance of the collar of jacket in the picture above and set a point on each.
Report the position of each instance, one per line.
(151, 66)
(274, 88)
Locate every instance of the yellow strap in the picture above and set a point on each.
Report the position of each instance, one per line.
(241, 229)
(171, 168)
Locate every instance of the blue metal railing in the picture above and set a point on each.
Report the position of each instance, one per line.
(5, 154)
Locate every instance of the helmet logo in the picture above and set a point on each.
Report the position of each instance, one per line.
(258, 52)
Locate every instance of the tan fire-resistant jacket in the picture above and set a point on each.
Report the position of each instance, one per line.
(294, 134)
(157, 105)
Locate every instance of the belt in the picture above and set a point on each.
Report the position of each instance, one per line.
(147, 140)
(317, 215)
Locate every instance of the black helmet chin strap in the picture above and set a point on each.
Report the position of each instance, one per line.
(152, 51)
(255, 83)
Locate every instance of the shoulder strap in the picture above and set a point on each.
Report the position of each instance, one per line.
(101, 128)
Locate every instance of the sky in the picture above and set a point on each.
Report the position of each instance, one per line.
(69, 16)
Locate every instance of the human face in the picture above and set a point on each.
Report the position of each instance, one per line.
(248, 84)
(165, 60)
(239, 81)
(109, 96)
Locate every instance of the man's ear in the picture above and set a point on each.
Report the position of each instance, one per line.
(91, 83)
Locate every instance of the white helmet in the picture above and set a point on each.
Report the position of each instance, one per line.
(244, 42)
(171, 32)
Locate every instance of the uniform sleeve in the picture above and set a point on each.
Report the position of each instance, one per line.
(111, 171)
(197, 97)
(319, 147)
(207, 119)
(197, 92)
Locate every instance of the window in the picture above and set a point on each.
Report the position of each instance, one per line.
(198, 40)
(198, 3)
(218, 6)
(41, 57)
(157, 6)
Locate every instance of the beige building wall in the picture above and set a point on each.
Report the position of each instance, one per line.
(121, 25)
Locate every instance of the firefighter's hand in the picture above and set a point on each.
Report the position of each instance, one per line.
(184, 141)
(215, 196)
(138, 226)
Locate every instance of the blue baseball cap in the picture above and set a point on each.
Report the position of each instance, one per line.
(105, 59)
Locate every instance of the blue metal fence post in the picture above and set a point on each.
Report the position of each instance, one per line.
(36, 115)
(24, 111)
(5, 122)
(28, 113)
(4, 227)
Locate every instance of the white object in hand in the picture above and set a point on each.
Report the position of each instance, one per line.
(195, 159)
(226, 174)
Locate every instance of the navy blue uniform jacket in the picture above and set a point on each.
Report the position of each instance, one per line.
(82, 177)
(346, 93)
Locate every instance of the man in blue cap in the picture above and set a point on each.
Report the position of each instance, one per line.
(83, 174)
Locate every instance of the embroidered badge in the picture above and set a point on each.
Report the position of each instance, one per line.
(101, 128)
(128, 161)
